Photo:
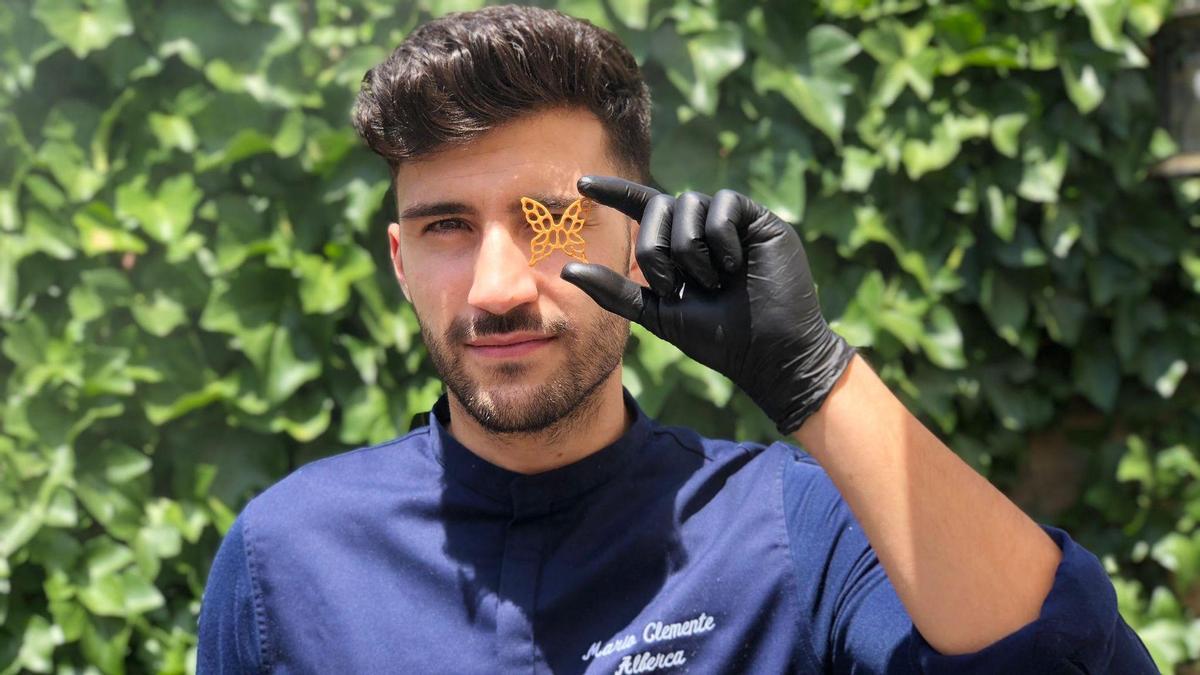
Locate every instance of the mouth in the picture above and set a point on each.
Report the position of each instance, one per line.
(511, 345)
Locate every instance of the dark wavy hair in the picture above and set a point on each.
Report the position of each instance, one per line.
(463, 74)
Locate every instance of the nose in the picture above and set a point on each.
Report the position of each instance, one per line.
(503, 278)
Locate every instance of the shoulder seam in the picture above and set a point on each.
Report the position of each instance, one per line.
(260, 612)
(679, 441)
(700, 450)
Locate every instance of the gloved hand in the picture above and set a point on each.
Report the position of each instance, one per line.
(730, 287)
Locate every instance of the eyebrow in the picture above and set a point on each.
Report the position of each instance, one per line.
(428, 209)
(453, 208)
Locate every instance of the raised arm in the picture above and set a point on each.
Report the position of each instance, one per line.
(969, 565)
(730, 286)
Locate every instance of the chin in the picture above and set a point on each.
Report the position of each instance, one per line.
(526, 405)
(499, 393)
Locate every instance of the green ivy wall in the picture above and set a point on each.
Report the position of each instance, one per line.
(194, 296)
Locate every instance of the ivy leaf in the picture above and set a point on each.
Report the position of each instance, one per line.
(818, 85)
(159, 315)
(173, 131)
(1097, 373)
(1105, 18)
(61, 510)
(1134, 318)
(106, 557)
(367, 417)
(1005, 131)
(1002, 212)
(858, 324)
(714, 55)
(104, 596)
(921, 157)
(858, 169)
(960, 26)
(905, 59)
(707, 383)
(942, 341)
(286, 356)
(1022, 251)
(1017, 407)
(113, 509)
(1063, 315)
(1135, 466)
(1042, 170)
(1181, 555)
(121, 462)
(141, 595)
(18, 528)
(1162, 365)
(1085, 84)
(47, 234)
(776, 180)
(84, 25)
(165, 215)
(105, 643)
(121, 595)
(1110, 277)
(241, 233)
(290, 138)
(72, 169)
(589, 10)
(1189, 262)
(1146, 16)
(37, 645)
(1005, 305)
(8, 278)
(324, 285)
(632, 13)
(99, 232)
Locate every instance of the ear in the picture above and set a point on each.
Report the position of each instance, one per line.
(397, 261)
(635, 270)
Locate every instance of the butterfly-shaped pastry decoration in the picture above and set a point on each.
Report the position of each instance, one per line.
(566, 234)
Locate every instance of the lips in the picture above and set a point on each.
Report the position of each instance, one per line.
(510, 345)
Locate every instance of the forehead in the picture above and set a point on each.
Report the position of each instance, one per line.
(533, 154)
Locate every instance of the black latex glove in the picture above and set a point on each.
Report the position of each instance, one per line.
(748, 309)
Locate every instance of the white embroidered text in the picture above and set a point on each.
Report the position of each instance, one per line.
(596, 650)
(657, 631)
(649, 661)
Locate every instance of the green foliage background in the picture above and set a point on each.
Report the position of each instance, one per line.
(194, 296)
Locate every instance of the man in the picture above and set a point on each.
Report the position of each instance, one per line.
(541, 522)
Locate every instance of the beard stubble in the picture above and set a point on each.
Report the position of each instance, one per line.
(551, 406)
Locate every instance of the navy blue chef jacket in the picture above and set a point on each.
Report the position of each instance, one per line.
(663, 552)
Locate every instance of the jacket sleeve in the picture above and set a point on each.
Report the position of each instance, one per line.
(860, 625)
(230, 612)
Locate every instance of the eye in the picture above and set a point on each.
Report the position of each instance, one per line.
(444, 225)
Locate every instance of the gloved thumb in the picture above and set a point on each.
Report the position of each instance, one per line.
(618, 294)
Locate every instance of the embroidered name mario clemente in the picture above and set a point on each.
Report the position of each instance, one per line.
(655, 631)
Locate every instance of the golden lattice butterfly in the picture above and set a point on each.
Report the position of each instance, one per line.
(566, 234)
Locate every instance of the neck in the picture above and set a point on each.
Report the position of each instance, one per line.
(598, 422)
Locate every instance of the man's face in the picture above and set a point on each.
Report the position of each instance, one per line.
(517, 346)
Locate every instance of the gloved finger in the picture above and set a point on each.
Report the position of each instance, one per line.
(623, 195)
(653, 247)
(688, 247)
(615, 293)
(729, 216)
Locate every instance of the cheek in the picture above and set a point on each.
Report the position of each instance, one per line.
(438, 287)
(610, 246)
